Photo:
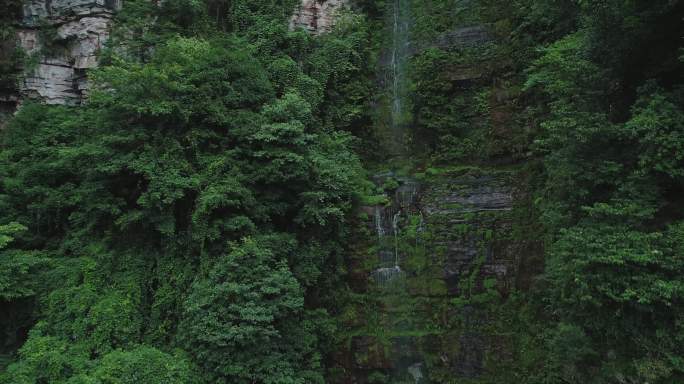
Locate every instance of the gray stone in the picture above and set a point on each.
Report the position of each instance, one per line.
(37, 12)
(88, 35)
(82, 28)
(463, 209)
(466, 37)
(316, 16)
(51, 83)
(28, 40)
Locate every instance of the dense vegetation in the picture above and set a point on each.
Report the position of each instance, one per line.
(594, 107)
(190, 223)
(194, 209)
(606, 91)
(588, 95)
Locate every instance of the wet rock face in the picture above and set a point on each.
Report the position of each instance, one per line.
(65, 36)
(465, 37)
(471, 214)
(438, 239)
(316, 16)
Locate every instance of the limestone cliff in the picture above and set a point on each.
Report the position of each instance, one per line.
(64, 37)
(316, 16)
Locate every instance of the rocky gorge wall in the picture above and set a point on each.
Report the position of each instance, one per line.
(60, 41)
(435, 262)
(431, 262)
(63, 37)
(317, 16)
(428, 318)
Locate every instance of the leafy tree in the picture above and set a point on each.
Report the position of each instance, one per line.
(237, 319)
(203, 128)
(143, 365)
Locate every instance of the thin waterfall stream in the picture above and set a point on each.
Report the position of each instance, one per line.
(388, 220)
(401, 218)
(398, 61)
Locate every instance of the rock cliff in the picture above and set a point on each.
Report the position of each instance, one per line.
(316, 16)
(63, 37)
(441, 240)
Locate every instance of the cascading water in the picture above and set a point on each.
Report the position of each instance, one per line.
(395, 231)
(395, 224)
(387, 231)
(398, 61)
(388, 219)
(397, 221)
(388, 222)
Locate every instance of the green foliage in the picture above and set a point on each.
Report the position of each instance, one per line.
(244, 310)
(657, 125)
(98, 321)
(611, 171)
(18, 268)
(7, 231)
(344, 66)
(571, 354)
(207, 124)
(565, 72)
(10, 55)
(191, 222)
(47, 359)
(143, 365)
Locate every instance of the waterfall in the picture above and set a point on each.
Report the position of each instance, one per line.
(396, 100)
(398, 59)
(387, 231)
(379, 230)
(416, 371)
(389, 219)
(395, 222)
(388, 222)
(388, 256)
(395, 232)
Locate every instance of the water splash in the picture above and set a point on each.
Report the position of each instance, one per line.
(384, 276)
(388, 232)
(389, 222)
(416, 371)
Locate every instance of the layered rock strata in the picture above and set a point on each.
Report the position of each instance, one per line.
(63, 37)
(316, 16)
(447, 239)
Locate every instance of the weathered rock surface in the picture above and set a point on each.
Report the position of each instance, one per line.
(465, 37)
(451, 237)
(65, 36)
(470, 215)
(39, 12)
(316, 16)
